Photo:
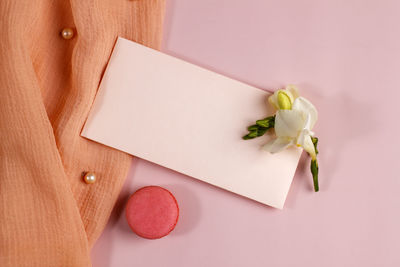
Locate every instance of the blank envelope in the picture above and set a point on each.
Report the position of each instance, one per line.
(188, 119)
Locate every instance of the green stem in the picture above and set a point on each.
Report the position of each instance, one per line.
(314, 171)
(314, 165)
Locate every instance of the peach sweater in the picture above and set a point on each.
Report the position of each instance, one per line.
(48, 215)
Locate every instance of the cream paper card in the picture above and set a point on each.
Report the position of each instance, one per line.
(188, 119)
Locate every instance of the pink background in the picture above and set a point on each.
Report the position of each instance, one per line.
(345, 57)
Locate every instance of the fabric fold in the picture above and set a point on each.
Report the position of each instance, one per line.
(49, 216)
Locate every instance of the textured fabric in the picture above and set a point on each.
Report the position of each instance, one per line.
(48, 215)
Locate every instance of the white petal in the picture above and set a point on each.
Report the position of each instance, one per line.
(308, 145)
(302, 135)
(293, 90)
(278, 144)
(310, 112)
(273, 101)
(307, 124)
(289, 123)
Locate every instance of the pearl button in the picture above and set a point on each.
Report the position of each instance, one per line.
(67, 33)
(89, 178)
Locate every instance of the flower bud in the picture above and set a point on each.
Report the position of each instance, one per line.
(284, 101)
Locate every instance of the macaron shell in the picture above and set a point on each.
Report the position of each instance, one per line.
(152, 212)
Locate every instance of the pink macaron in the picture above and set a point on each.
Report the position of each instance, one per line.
(152, 212)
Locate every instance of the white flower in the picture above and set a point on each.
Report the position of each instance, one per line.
(281, 98)
(294, 120)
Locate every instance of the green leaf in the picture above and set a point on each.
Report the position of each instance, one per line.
(261, 131)
(247, 137)
(267, 122)
(253, 133)
(260, 128)
(272, 121)
(263, 123)
(252, 127)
